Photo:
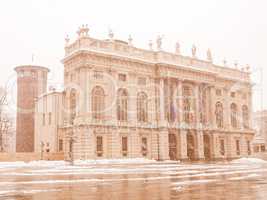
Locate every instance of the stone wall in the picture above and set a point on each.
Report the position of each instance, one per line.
(7, 157)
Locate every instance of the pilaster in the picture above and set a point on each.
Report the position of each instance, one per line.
(200, 145)
(182, 147)
(163, 145)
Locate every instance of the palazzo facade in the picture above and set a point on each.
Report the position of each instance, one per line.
(121, 101)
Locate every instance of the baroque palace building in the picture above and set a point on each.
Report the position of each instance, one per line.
(122, 101)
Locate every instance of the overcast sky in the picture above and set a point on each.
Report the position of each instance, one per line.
(233, 29)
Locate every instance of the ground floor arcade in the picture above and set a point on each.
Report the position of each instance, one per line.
(160, 144)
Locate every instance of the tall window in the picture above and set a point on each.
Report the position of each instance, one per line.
(245, 116)
(124, 145)
(222, 147)
(98, 102)
(60, 145)
(99, 146)
(234, 115)
(142, 107)
(72, 104)
(248, 147)
(219, 114)
(122, 105)
(188, 104)
(237, 142)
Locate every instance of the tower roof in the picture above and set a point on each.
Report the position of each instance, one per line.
(31, 67)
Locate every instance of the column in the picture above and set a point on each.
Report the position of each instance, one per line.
(226, 109)
(174, 104)
(182, 147)
(197, 106)
(212, 107)
(163, 145)
(111, 100)
(199, 133)
(215, 153)
(83, 91)
(161, 103)
(200, 145)
(180, 103)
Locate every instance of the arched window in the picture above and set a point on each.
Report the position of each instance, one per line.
(219, 114)
(142, 107)
(72, 104)
(122, 105)
(188, 102)
(245, 116)
(98, 102)
(234, 115)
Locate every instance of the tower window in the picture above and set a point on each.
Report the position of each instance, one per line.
(122, 77)
(233, 94)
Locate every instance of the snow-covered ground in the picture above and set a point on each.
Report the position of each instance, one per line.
(48, 177)
(43, 163)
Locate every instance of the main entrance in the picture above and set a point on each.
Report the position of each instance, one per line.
(190, 146)
(207, 147)
(172, 146)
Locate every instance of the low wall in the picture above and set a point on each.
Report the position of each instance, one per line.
(9, 157)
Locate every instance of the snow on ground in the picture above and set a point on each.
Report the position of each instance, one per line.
(43, 163)
(249, 161)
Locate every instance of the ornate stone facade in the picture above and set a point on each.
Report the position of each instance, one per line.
(122, 101)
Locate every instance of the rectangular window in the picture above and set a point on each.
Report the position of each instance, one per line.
(50, 118)
(98, 75)
(60, 145)
(219, 92)
(144, 146)
(233, 94)
(237, 147)
(43, 119)
(249, 149)
(122, 77)
(222, 147)
(262, 147)
(124, 145)
(99, 146)
(141, 81)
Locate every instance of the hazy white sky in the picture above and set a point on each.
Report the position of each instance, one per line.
(234, 29)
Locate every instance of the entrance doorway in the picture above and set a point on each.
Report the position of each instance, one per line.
(207, 147)
(172, 147)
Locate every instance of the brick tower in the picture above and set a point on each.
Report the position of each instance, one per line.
(31, 82)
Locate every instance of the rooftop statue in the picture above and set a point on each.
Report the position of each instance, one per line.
(194, 50)
(159, 42)
(110, 34)
(150, 44)
(130, 40)
(67, 39)
(177, 48)
(209, 55)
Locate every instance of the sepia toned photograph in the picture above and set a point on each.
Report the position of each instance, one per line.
(133, 100)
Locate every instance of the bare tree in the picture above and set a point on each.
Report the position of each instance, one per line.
(5, 122)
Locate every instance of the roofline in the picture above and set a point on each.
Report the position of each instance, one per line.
(35, 67)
